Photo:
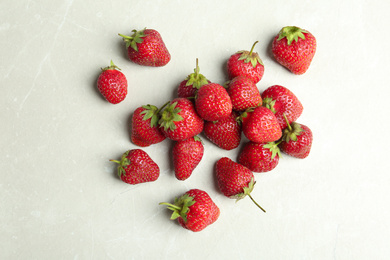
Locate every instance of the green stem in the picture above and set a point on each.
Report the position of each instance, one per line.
(125, 36)
(170, 205)
(161, 108)
(256, 203)
(115, 161)
(253, 46)
(288, 124)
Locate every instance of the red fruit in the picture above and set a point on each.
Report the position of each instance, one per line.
(225, 133)
(145, 130)
(189, 87)
(259, 157)
(281, 101)
(147, 48)
(112, 84)
(213, 102)
(297, 140)
(244, 93)
(294, 49)
(262, 126)
(180, 121)
(186, 156)
(246, 63)
(136, 167)
(194, 210)
(234, 180)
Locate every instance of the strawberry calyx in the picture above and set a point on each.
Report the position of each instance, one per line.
(291, 131)
(274, 149)
(250, 56)
(153, 113)
(180, 207)
(247, 192)
(169, 116)
(123, 163)
(196, 79)
(270, 104)
(131, 41)
(291, 33)
(111, 67)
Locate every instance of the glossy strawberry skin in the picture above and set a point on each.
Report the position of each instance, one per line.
(257, 158)
(112, 84)
(236, 67)
(301, 147)
(187, 155)
(285, 103)
(225, 133)
(213, 102)
(244, 93)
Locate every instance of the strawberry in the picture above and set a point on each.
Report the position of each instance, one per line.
(259, 157)
(262, 126)
(189, 87)
(112, 84)
(281, 101)
(244, 93)
(246, 63)
(194, 210)
(145, 130)
(186, 156)
(136, 167)
(225, 133)
(180, 121)
(294, 48)
(234, 180)
(213, 102)
(297, 140)
(146, 48)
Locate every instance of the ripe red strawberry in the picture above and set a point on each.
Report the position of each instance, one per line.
(294, 48)
(145, 130)
(194, 210)
(246, 63)
(234, 180)
(281, 101)
(297, 140)
(112, 84)
(244, 93)
(259, 157)
(225, 133)
(213, 102)
(180, 121)
(189, 87)
(136, 167)
(262, 126)
(146, 48)
(186, 156)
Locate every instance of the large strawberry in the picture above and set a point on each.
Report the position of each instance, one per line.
(112, 84)
(147, 48)
(186, 156)
(282, 102)
(262, 126)
(136, 166)
(180, 121)
(244, 93)
(259, 157)
(294, 48)
(145, 130)
(225, 133)
(194, 210)
(234, 180)
(246, 63)
(213, 102)
(188, 87)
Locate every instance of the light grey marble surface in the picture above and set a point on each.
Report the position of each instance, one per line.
(59, 196)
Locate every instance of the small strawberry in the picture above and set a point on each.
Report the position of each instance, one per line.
(246, 63)
(225, 133)
(112, 84)
(297, 140)
(262, 126)
(281, 101)
(259, 157)
(186, 156)
(213, 102)
(189, 87)
(294, 48)
(145, 130)
(234, 180)
(146, 48)
(194, 210)
(244, 93)
(180, 121)
(136, 167)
